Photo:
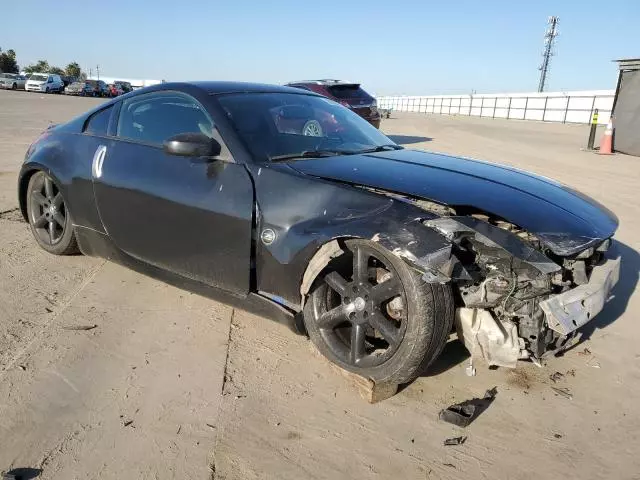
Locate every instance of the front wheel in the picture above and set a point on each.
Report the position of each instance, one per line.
(373, 315)
(49, 217)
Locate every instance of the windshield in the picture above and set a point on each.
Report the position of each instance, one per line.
(286, 125)
(38, 78)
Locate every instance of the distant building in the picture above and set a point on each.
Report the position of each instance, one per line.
(135, 83)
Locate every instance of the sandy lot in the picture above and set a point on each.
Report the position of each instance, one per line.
(171, 385)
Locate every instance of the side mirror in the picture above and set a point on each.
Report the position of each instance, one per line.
(192, 145)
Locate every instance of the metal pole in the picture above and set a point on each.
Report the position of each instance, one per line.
(566, 109)
(592, 131)
(495, 102)
(526, 103)
(509, 109)
(544, 109)
(549, 40)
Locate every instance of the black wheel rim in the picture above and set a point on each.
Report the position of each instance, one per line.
(363, 316)
(47, 211)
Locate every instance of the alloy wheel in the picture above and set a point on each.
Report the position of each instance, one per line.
(363, 316)
(47, 210)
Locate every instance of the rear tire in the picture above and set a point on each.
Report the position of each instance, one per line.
(14, 86)
(49, 218)
(396, 335)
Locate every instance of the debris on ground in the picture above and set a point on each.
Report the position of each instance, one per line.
(455, 441)
(563, 392)
(593, 363)
(79, 327)
(462, 414)
(555, 377)
(557, 435)
(585, 352)
(571, 372)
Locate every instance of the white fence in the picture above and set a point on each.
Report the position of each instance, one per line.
(564, 107)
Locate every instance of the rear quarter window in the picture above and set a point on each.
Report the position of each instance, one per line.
(345, 92)
(98, 123)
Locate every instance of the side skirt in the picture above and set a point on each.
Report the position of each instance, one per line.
(96, 244)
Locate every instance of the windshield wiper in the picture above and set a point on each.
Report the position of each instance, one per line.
(311, 154)
(381, 148)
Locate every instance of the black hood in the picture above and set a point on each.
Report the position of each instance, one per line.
(565, 220)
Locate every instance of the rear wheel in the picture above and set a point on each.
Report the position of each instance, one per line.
(312, 128)
(373, 315)
(14, 86)
(49, 217)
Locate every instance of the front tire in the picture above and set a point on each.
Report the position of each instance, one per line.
(373, 315)
(49, 218)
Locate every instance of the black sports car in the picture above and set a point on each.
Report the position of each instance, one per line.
(288, 204)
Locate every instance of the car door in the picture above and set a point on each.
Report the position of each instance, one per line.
(191, 216)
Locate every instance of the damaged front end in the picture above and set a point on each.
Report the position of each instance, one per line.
(518, 299)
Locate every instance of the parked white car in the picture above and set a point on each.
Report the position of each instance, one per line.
(44, 82)
(12, 81)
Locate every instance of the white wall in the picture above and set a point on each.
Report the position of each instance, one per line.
(565, 107)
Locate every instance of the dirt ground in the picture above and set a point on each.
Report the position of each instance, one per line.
(169, 385)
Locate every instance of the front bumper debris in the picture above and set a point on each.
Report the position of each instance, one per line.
(569, 311)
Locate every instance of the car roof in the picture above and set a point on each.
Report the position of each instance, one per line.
(324, 81)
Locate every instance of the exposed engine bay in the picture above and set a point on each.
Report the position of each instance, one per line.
(516, 298)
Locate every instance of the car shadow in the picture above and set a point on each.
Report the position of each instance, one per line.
(408, 139)
(22, 474)
(621, 293)
(453, 354)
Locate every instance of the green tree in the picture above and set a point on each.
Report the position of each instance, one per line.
(8, 62)
(41, 66)
(73, 70)
(56, 70)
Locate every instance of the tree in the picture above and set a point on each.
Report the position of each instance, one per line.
(8, 62)
(73, 70)
(41, 66)
(56, 70)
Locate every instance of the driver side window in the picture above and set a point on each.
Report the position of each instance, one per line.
(155, 117)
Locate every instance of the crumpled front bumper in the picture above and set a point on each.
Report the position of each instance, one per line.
(569, 311)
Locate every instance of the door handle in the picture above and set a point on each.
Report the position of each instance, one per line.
(98, 160)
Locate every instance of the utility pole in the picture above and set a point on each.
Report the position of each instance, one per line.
(98, 70)
(549, 42)
(90, 72)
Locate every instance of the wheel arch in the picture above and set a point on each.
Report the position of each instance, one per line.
(418, 247)
(23, 184)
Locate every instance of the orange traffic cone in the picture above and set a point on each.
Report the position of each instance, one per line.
(606, 144)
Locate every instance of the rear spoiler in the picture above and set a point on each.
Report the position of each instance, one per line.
(347, 85)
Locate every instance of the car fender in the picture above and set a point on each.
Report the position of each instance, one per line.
(300, 220)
